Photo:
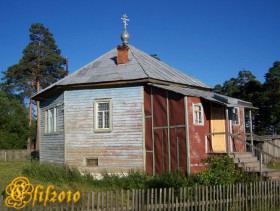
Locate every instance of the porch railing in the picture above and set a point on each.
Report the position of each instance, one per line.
(236, 137)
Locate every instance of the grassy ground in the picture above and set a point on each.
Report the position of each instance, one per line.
(11, 170)
(274, 165)
(221, 170)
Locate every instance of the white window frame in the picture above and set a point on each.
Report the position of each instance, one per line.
(51, 120)
(96, 111)
(196, 114)
(235, 116)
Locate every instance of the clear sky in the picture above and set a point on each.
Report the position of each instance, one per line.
(209, 40)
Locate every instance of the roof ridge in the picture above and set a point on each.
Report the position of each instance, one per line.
(139, 62)
(167, 68)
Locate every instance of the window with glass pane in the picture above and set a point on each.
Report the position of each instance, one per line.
(235, 116)
(198, 114)
(50, 120)
(103, 115)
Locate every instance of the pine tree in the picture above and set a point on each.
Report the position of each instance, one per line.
(40, 66)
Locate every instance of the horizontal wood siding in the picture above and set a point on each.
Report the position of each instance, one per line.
(52, 145)
(118, 150)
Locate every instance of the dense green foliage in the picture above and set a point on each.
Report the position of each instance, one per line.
(14, 129)
(266, 97)
(41, 62)
(221, 170)
(40, 66)
(272, 97)
(50, 173)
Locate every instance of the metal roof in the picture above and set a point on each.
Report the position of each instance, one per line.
(140, 65)
(208, 95)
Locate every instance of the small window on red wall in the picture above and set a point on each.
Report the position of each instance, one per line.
(235, 116)
(198, 114)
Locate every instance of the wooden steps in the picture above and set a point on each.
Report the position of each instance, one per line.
(249, 163)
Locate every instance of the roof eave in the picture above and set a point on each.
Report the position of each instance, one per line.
(54, 90)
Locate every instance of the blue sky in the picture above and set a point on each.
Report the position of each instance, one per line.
(209, 40)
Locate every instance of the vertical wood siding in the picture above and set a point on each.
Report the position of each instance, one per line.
(52, 145)
(117, 151)
(165, 135)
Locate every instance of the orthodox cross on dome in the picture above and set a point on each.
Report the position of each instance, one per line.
(125, 19)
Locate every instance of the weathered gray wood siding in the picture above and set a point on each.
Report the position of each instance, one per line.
(52, 145)
(117, 151)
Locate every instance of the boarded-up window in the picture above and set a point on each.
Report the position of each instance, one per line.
(103, 115)
(92, 162)
(198, 115)
(51, 120)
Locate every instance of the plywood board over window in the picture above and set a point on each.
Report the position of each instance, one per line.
(218, 126)
(91, 162)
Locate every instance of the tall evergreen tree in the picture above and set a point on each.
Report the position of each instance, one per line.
(246, 87)
(40, 66)
(272, 100)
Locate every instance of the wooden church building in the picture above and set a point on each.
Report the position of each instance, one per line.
(128, 110)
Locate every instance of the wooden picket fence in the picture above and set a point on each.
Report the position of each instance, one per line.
(253, 196)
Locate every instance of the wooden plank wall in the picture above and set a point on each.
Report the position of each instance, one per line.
(238, 146)
(117, 151)
(52, 145)
(197, 134)
(271, 150)
(165, 135)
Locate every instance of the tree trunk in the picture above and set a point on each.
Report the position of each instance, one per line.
(30, 109)
(38, 134)
(29, 141)
(30, 100)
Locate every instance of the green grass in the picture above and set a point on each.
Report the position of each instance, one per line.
(220, 171)
(9, 171)
(274, 164)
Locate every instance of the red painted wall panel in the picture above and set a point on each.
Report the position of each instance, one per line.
(159, 107)
(149, 162)
(197, 134)
(148, 134)
(161, 151)
(176, 117)
(239, 129)
(176, 109)
(178, 149)
(147, 100)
